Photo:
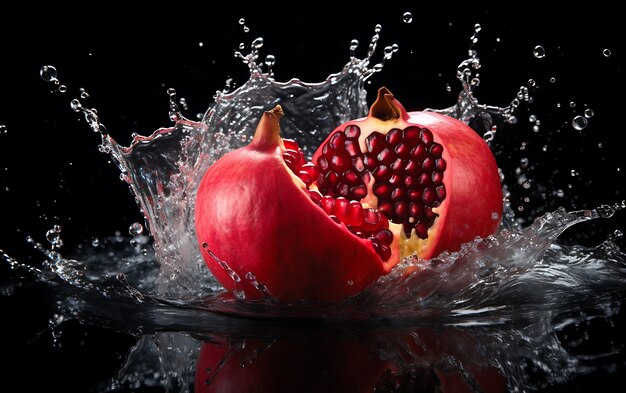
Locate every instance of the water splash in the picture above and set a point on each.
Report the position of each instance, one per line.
(513, 290)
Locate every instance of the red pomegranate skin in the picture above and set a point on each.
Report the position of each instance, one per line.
(267, 237)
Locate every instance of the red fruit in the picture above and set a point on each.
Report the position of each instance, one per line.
(432, 176)
(265, 233)
(382, 188)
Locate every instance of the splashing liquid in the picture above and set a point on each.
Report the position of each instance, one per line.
(508, 279)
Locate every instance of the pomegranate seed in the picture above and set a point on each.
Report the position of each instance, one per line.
(384, 236)
(440, 164)
(436, 150)
(428, 164)
(355, 214)
(340, 163)
(397, 194)
(353, 148)
(382, 173)
(441, 193)
(437, 177)
(429, 196)
(424, 180)
(402, 150)
(410, 182)
(322, 163)
(311, 169)
(426, 136)
(290, 144)
(419, 152)
(407, 227)
(375, 143)
(336, 141)
(411, 168)
(359, 192)
(327, 151)
(382, 190)
(386, 207)
(371, 219)
(292, 158)
(358, 164)
(332, 178)
(415, 195)
(305, 177)
(421, 230)
(328, 204)
(400, 210)
(394, 136)
(369, 162)
(428, 213)
(351, 178)
(396, 180)
(341, 208)
(415, 210)
(398, 166)
(352, 131)
(343, 189)
(315, 196)
(385, 156)
(384, 252)
(411, 135)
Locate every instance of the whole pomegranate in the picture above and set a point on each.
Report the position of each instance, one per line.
(381, 188)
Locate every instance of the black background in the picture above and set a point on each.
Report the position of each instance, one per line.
(126, 56)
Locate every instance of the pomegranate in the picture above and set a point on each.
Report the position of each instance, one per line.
(431, 175)
(378, 189)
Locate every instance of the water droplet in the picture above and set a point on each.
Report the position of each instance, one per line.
(523, 162)
(62, 89)
(270, 60)
(606, 52)
(531, 82)
(560, 193)
(257, 43)
(135, 229)
(573, 173)
(95, 242)
(246, 29)
(350, 282)
(83, 93)
(536, 128)
(53, 236)
(3, 129)
(76, 105)
(477, 27)
(539, 52)
(200, 44)
(378, 28)
(353, 45)
(552, 80)
(242, 21)
(48, 73)
(589, 113)
(572, 104)
(495, 215)
(526, 185)
(532, 118)
(407, 17)
(579, 123)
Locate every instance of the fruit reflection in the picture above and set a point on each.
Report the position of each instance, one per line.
(424, 359)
